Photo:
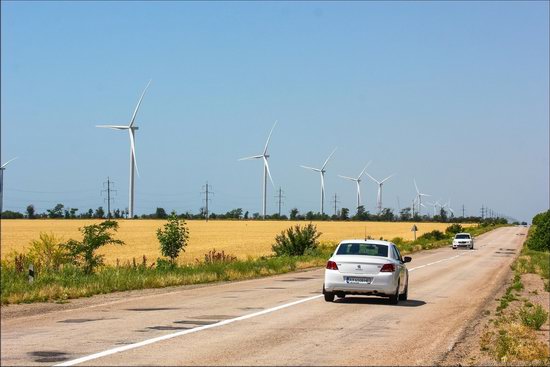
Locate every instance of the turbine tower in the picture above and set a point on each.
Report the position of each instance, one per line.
(264, 157)
(2, 168)
(379, 196)
(419, 197)
(358, 182)
(133, 165)
(322, 172)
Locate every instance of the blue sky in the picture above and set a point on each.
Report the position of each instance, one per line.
(454, 94)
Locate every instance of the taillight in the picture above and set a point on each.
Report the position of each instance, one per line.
(387, 268)
(332, 265)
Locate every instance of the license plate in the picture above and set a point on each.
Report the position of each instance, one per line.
(358, 280)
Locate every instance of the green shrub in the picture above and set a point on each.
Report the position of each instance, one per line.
(539, 239)
(454, 229)
(533, 317)
(174, 237)
(94, 237)
(433, 235)
(295, 241)
(48, 252)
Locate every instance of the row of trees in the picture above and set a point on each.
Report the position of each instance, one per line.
(387, 215)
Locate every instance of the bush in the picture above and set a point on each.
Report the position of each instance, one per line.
(48, 252)
(295, 241)
(174, 237)
(539, 240)
(94, 237)
(533, 317)
(454, 229)
(433, 235)
(214, 256)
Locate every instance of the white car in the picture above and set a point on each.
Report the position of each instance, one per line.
(367, 267)
(463, 240)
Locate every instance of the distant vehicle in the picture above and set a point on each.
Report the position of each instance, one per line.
(370, 268)
(463, 240)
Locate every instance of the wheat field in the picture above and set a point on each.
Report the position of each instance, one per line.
(239, 238)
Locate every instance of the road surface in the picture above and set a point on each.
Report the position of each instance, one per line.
(280, 320)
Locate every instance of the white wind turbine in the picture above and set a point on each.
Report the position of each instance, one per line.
(322, 172)
(448, 205)
(264, 157)
(133, 165)
(2, 168)
(379, 196)
(419, 197)
(434, 205)
(358, 182)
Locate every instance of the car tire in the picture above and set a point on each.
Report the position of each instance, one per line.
(329, 296)
(341, 295)
(394, 298)
(405, 295)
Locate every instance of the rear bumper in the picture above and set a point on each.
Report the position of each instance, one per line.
(383, 284)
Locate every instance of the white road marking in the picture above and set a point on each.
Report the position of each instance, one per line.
(204, 327)
(180, 333)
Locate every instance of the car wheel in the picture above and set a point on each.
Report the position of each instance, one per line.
(341, 295)
(405, 295)
(329, 296)
(394, 298)
(472, 247)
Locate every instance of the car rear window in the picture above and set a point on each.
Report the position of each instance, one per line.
(369, 249)
(462, 236)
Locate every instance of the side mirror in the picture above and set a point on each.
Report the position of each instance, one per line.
(407, 259)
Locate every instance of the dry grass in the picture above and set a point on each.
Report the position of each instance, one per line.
(239, 238)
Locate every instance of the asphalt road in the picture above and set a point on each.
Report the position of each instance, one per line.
(281, 320)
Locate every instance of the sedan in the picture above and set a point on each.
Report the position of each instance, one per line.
(367, 267)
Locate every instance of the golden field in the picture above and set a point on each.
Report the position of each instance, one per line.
(239, 238)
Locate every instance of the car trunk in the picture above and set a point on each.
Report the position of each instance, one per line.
(360, 264)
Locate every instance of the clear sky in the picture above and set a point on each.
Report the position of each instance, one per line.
(454, 94)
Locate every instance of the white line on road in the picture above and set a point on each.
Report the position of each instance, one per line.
(200, 328)
(180, 333)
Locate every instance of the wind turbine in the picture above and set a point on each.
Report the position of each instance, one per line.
(358, 182)
(264, 156)
(322, 172)
(419, 197)
(133, 165)
(2, 168)
(434, 205)
(448, 205)
(379, 196)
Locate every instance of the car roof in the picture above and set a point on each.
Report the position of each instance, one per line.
(374, 242)
(462, 233)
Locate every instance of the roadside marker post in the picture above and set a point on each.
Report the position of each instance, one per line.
(414, 229)
(31, 273)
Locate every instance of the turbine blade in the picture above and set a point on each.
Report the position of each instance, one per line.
(115, 127)
(133, 145)
(311, 168)
(422, 204)
(138, 104)
(5, 164)
(324, 165)
(372, 178)
(252, 157)
(268, 172)
(387, 178)
(348, 178)
(269, 137)
(416, 187)
(363, 171)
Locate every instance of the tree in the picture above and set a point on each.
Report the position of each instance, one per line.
(293, 213)
(295, 241)
(99, 212)
(8, 214)
(94, 237)
(386, 215)
(173, 238)
(73, 212)
(30, 212)
(246, 215)
(116, 213)
(161, 213)
(405, 214)
(56, 212)
(344, 214)
(539, 239)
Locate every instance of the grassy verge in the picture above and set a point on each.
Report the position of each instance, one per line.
(71, 282)
(514, 336)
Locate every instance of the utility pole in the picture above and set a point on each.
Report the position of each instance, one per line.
(280, 198)
(207, 199)
(108, 199)
(482, 212)
(335, 201)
